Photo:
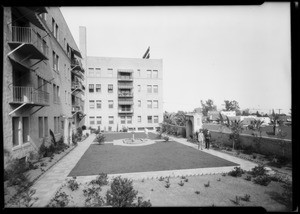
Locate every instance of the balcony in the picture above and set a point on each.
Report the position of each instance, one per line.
(76, 64)
(30, 95)
(33, 45)
(125, 86)
(125, 94)
(125, 111)
(125, 102)
(77, 85)
(76, 108)
(125, 78)
(77, 73)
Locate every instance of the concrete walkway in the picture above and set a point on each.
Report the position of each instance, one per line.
(47, 184)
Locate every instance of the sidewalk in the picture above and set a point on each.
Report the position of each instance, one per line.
(47, 184)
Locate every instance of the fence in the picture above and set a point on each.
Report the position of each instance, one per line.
(263, 145)
(30, 95)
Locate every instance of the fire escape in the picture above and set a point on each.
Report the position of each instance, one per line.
(125, 94)
(28, 48)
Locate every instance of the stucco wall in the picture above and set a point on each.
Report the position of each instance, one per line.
(267, 145)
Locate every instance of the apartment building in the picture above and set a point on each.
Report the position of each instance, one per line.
(41, 75)
(122, 92)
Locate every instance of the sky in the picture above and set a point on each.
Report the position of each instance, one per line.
(240, 53)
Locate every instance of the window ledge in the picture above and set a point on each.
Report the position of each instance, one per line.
(24, 145)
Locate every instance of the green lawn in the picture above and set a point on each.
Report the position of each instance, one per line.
(114, 159)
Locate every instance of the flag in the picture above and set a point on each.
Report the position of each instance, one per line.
(147, 52)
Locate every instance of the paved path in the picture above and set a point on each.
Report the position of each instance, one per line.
(48, 183)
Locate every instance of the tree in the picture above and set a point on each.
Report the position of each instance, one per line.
(208, 106)
(231, 105)
(258, 114)
(236, 128)
(245, 112)
(179, 118)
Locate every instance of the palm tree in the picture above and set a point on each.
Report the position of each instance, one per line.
(236, 128)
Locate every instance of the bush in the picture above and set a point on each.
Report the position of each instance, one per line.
(72, 184)
(248, 150)
(287, 193)
(15, 173)
(262, 180)
(100, 139)
(60, 200)
(122, 194)
(83, 127)
(258, 171)
(93, 198)
(101, 180)
(237, 172)
(166, 138)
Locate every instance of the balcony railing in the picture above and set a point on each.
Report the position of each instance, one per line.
(76, 108)
(125, 94)
(127, 78)
(126, 110)
(29, 36)
(77, 85)
(78, 73)
(125, 86)
(76, 62)
(30, 95)
(125, 102)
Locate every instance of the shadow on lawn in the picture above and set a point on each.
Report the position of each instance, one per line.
(279, 198)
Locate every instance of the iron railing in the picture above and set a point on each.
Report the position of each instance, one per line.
(125, 94)
(125, 85)
(29, 36)
(120, 77)
(30, 95)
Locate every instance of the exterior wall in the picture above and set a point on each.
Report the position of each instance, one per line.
(139, 78)
(229, 113)
(43, 69)
(267, 145)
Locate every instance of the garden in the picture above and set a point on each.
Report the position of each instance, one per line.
(19, 176)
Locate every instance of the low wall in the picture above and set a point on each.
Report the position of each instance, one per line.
(267, 146)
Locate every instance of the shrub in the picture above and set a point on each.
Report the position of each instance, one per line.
(27, 199)
(101, 180)
(141, 203)
(15, 173)
(100, 139)
(248, 178)
(246, 197)
(93, 198)
(181, 183)
(258, 171)
(236, 201)
(237, 172)
(122, 194)
(287, 193)
(248, 150)
(207, 185)
(197, 192)
(166, 138)
(72, 184)
(83, 127)
(87, 134)
(262, 180)
(159, 136)
(60, 200)
(160, 178)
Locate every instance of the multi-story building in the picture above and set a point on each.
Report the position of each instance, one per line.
(38, 56)
(122, 92)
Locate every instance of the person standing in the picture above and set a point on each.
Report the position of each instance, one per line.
(146, 132)
(200, 139)
(207, 139)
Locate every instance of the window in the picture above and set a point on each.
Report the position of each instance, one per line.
(149, 119)
(92, 104)
(41, 127)
(66, 100)
(155, 89)
(45, 126)
(62, 125)
(109, 72)
(139, 103)
(54, 93)
(55, 122)
(139, 119)
(139, 72)
(139, 88)
(155, 74)
(149, 103)
(149, 88)
(110, 104)
(98, 71)
(53, 27)
(98, 104)
(91, 88)
(98, 88)
(56, 32)
(129, 120)
(110, 88)
(16, 130)
(155, 103)
(149, 73)
(99, 120)
(25, 129)
(155, 119)
(111, 119)
(57, 62)
(91, 71)
(123, 120)
(92, 120)
(55, 59)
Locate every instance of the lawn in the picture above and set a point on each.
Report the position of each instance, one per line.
(109, 137)
(160, 156)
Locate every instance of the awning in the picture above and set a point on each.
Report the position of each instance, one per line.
(32, 16)
(77, 53)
